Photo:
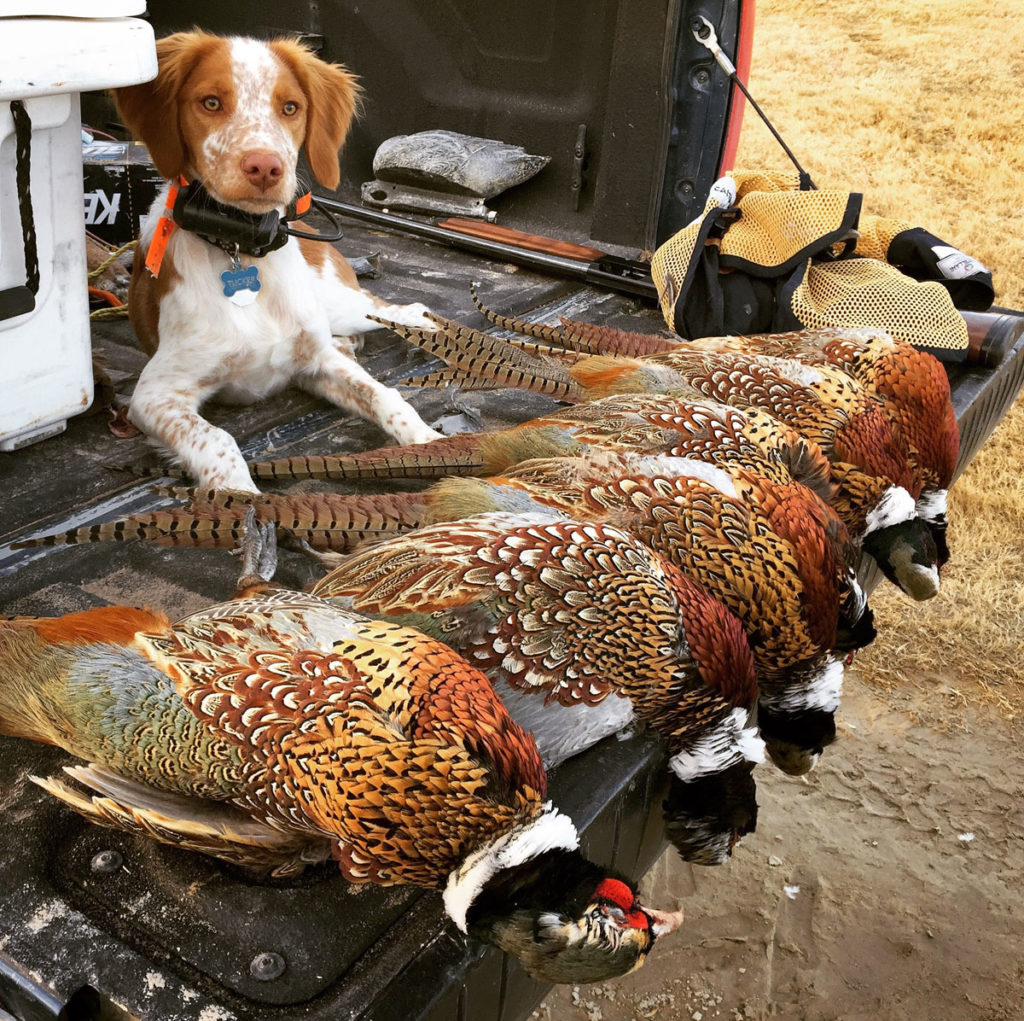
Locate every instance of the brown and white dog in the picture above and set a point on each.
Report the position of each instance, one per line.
(233, 113)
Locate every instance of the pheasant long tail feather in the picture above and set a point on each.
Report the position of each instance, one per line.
(606, 340)
(567, 356)
(176, 527)
(450, 456)
(477, 353)
(550, 334)
(170, 527)
(326, 521)
(584, 338)
(444, 378)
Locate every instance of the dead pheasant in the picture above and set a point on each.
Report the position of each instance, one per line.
(913, 384)
(917, 401)
(824, 403)
(879, 516)
(634, 423)
(553, 610)
(280, 730)
(775, 555)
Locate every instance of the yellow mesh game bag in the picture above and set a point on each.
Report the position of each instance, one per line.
(764, 256)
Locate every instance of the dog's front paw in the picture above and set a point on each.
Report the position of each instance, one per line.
(414, 316)
(407, 431)
(424, 434)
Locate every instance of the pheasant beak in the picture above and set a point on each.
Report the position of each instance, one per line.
(663, 922)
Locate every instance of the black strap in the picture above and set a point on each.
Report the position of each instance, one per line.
(236, 232)
(16, 301)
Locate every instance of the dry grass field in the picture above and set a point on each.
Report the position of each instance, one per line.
(920, 107)
(885, 885)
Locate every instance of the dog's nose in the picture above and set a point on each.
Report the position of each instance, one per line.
(263, 169)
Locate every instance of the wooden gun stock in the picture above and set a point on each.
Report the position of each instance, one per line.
(521, 239)
(629, 276)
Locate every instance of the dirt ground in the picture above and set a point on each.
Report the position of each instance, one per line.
(887, 884)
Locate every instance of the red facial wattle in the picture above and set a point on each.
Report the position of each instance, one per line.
(618, 893)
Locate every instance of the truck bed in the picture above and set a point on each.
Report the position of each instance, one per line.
(161, 933)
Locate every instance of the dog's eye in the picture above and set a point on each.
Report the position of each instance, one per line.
(211, 103)
(290, 109)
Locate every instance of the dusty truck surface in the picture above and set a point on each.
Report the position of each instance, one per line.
(636, 120)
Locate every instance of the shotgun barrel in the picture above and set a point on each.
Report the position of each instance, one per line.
(629, 276)
(991, 335)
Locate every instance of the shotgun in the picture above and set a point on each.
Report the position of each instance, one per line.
(991, 335)
(629, 276)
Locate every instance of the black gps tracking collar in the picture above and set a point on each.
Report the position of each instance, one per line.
(236, 231)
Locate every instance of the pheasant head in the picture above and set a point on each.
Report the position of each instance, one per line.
(795, 740)
(566, 919)
(706, 817)
(907, 555)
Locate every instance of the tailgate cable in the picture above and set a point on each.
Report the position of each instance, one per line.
(704, 33)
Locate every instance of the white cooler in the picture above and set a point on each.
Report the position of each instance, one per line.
(50, 54)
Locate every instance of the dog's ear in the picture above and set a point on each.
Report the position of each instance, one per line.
(332, 94)
(151, 110)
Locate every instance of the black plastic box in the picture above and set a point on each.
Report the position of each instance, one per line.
(120, 184)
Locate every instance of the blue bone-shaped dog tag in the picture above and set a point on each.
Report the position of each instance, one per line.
(241, 285)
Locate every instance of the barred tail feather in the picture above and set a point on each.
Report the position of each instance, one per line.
(550, 334)
(437, 459)
(324, 520)
(371, 512)
(481, 355)
(566, 355)
(327, 521)
(165, 528)
(582, 338)
(606, 340)
(442, 379)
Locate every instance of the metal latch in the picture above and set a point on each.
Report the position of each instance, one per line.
(579, 159)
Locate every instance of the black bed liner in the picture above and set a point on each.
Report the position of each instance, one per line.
(169, 933)
(166, 934)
